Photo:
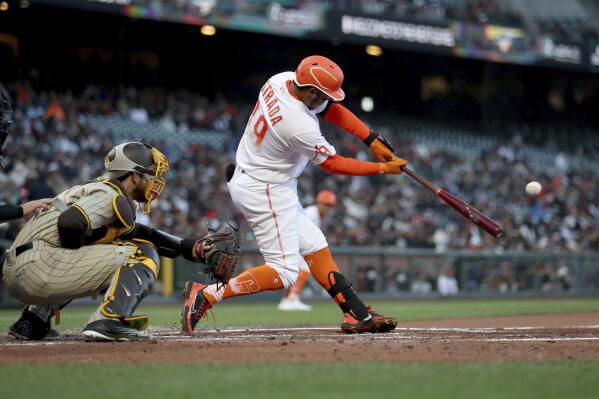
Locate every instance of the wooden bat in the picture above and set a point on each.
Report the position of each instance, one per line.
(468, 211)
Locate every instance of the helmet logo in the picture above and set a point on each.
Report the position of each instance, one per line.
(322, 73)
(317, 68)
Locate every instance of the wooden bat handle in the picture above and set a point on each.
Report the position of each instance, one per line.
(428, 184)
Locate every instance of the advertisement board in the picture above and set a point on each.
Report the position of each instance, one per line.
(323, 20)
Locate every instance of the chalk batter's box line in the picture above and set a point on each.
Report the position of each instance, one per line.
(400, 334)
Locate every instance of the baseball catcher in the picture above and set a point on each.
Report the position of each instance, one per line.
(88, 241)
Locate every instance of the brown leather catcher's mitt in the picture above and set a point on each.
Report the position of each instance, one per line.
(220, 249)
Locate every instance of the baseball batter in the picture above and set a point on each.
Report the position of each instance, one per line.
(86, 241)
(325, 201)
(281, 136)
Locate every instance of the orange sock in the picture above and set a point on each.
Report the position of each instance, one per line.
(325, 271)
(321, 264)
(296, 289)
(251, 281)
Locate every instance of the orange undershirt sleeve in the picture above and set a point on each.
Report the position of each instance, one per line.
(339, 165)
(338, 115)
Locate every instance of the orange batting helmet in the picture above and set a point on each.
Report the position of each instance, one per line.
(326, 197)
(322, 73)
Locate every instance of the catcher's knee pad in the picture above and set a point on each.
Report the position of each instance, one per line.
(343, 293)
(146, 253)
(131, 284)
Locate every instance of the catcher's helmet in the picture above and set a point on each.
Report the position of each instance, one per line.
(141, 158)
(326, 197)
(322, 73)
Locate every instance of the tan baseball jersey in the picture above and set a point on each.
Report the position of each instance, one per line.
(48, 273)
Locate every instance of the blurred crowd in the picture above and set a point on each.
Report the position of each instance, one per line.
(400, 213)
(52, 147)
(449, 278)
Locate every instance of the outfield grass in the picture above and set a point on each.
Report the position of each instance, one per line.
(572, 379)
(327, 314)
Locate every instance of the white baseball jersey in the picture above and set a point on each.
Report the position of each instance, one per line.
(50, 274)
(282, 134)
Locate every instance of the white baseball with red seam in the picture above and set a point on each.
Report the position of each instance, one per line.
(533, 188)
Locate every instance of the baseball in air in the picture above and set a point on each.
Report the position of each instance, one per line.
(533, 188)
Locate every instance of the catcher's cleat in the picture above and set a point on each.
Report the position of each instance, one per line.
(195, 306)
(108, 330)
(377, 323)
(29, 327)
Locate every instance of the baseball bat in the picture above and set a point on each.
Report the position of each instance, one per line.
(468, 211)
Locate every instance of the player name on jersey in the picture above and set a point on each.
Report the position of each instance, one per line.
(272, 106)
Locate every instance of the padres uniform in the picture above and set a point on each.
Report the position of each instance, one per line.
(88, 240)
(39, 271)
(282, 135)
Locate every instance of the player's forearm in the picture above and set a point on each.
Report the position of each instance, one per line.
(338, 115)
(10, 212)
(167, 244)
(339, 165)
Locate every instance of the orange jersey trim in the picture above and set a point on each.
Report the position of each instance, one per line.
(339, 165)
(338, 115)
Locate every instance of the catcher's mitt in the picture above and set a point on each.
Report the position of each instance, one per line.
(219, 249)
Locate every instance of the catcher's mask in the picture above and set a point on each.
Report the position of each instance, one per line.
(140, 158)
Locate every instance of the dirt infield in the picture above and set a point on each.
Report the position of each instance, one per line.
(533, 338)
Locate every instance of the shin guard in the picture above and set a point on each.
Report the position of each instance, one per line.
(131, 283)
(343, 293)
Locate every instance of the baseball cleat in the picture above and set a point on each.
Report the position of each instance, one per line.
(29, 327)
(108, 330)
(293, 304)
(195, 306)
(377, 323)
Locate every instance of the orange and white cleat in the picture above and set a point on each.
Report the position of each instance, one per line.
(377, 323)
(195, 306)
